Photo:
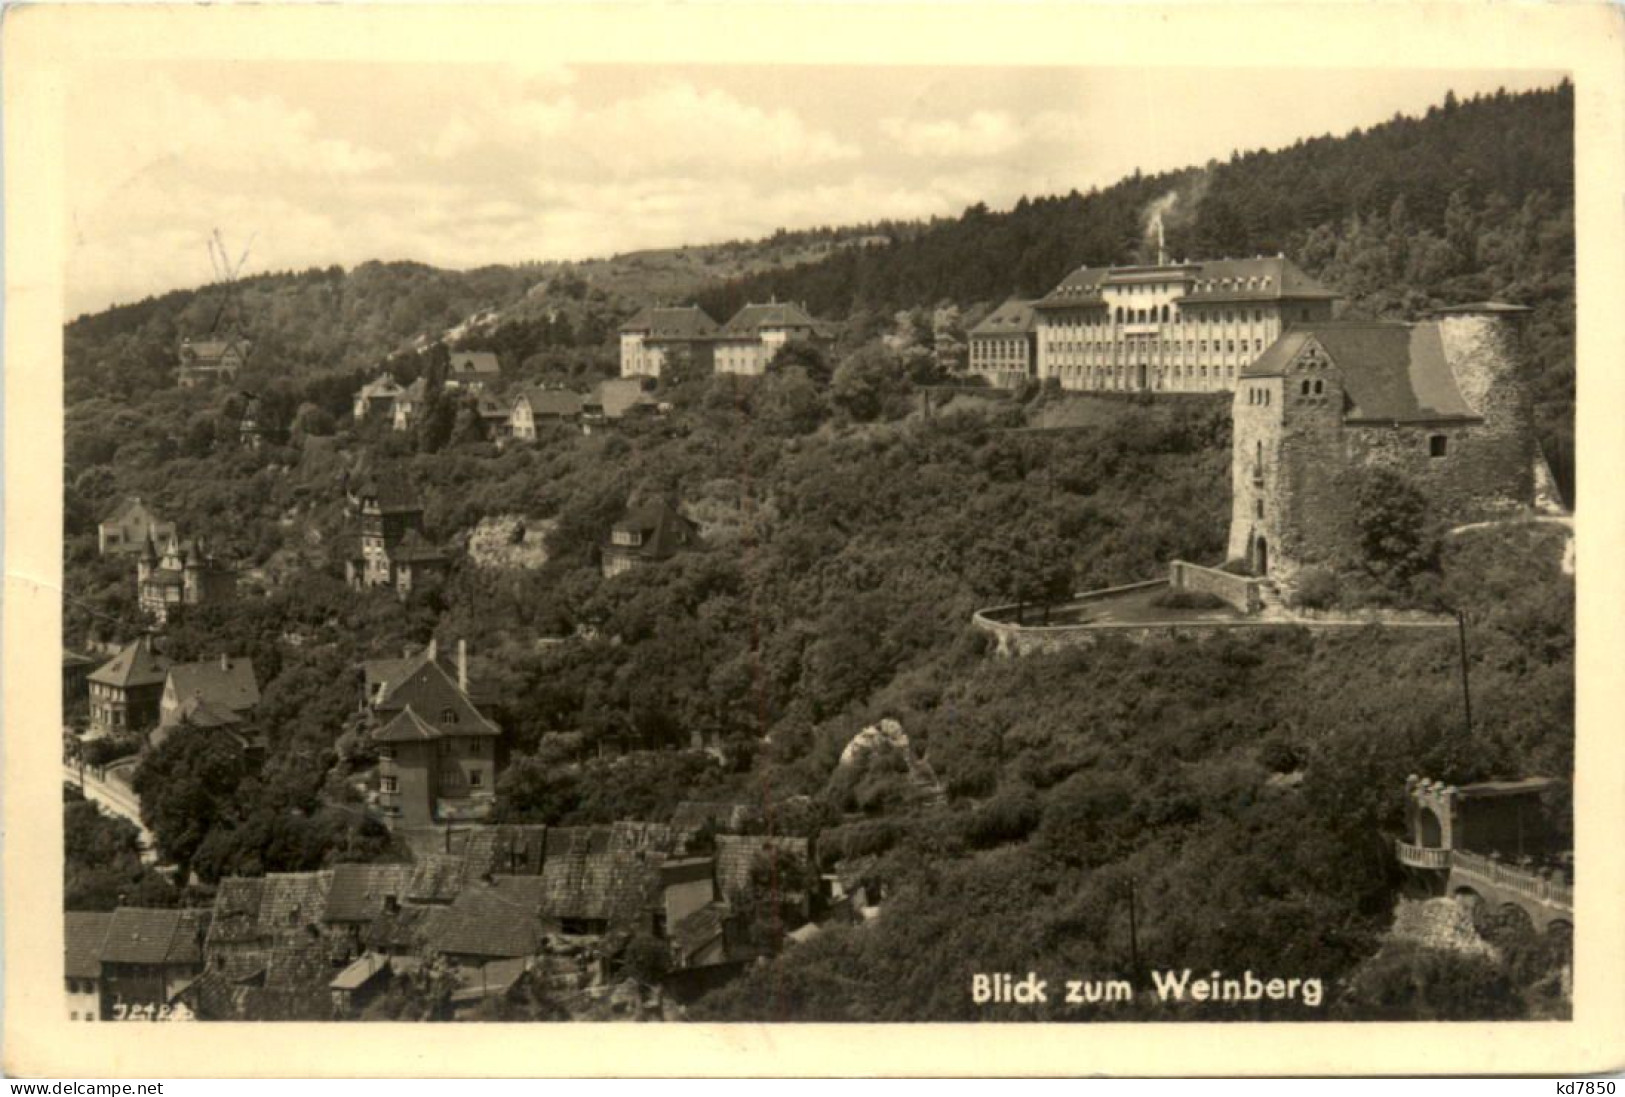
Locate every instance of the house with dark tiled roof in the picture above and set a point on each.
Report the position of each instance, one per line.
(392, 549)
(653, 337)
(83, 936)
(409, 405)
(492, 918)
(750, 339)
(149, 955)
(646, 534)
(437, 752)
(473, 370)
(603, 877)
(496, 414)
(615, 400)
(185, 573)
(126, 691)
(1444, 403)
(359, 893)
(1004, 346)
(1171, 326)
(211, 360)
(376, 398)
(535, 408)
(215, 693)
(129, 527)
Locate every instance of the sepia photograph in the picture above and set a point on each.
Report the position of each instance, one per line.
(726, 542)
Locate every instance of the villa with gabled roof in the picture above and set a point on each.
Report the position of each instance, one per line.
(656, 333)
(437, 752)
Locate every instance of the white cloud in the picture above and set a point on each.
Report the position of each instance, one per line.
(981, 133)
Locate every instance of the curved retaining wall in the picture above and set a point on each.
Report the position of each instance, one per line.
(1013, 639)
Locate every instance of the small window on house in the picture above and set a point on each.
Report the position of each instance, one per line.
(1320, 387)
(1437, 444)
(1304, 388)
(475, 778)
(448, 716)
(1258, 508)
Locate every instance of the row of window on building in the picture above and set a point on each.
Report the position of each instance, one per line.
(1166, 314)
(1156, 347)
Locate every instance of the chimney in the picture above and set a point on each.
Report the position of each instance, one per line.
(225, 661)
(433, 650)
(462, 665)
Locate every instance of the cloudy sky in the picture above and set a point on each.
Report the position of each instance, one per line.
(459, 165)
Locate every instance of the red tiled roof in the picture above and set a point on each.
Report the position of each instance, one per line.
(84, 933)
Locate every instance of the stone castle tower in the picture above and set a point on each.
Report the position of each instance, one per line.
(1444, 403)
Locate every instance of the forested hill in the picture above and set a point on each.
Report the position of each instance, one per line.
(1473, 200)
(1449, 183)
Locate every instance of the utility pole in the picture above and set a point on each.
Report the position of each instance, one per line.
(1133, 933)
(1466, 693)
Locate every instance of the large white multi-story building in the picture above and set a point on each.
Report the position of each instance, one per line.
(1004, 346)
(748, 342)
(655, 333)
(1171, 327)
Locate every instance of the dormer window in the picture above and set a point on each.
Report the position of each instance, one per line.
(448, 716)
